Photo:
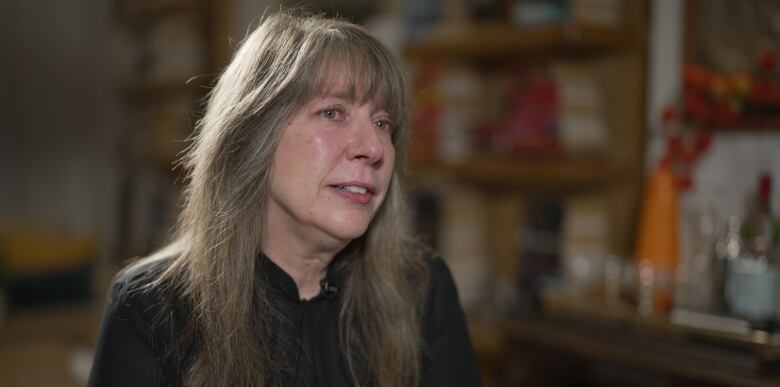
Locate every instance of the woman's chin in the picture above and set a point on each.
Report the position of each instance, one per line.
(347, 230)
(347, 235)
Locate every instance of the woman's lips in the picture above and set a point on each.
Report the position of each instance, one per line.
(358, 193)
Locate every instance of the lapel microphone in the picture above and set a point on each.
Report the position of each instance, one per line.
(327, 289)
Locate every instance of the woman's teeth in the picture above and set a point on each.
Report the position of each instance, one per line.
(352, 188)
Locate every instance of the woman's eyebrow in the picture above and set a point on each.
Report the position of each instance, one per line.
(379, 109)
(338, 94)
(349, 96)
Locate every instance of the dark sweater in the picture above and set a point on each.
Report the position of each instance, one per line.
(136, 341)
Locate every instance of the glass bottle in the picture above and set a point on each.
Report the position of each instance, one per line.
(727, 249)
(753, 276)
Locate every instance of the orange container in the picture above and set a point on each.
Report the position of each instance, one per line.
(658, 247)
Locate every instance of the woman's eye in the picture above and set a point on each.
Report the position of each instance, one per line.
(385, 125)
(331, 113)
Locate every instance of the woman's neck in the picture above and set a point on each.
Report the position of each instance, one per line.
(307, 267)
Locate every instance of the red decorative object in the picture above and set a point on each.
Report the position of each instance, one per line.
(683, 148)
(768, 60)
(741, 99)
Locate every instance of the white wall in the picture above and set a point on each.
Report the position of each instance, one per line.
(664, 63)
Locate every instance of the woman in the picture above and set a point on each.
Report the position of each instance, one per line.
(292, 263)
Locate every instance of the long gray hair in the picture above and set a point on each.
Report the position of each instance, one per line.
(279, 67)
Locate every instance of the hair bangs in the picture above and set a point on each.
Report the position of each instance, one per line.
(371, 74)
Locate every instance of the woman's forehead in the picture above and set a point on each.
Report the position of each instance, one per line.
(338, 84)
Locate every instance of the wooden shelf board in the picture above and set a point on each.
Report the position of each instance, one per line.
(505, 41)
(654, 354)
(75, 321)
(595, 310)
(38, 346)
(546, 174)
(753, 124)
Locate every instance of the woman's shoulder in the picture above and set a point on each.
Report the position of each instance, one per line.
(140, 324)
(137, 290)
(435, 264)
(444, 327)
(141, 273)
(139, 276)
(440, 283)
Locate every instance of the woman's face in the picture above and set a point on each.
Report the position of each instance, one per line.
(332, 168)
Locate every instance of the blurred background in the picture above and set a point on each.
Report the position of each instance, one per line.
(600, 175)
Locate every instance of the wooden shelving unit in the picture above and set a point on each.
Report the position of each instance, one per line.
(173, 59)
(502, 41)
(507, 182)
(537, 176)
(619, 171)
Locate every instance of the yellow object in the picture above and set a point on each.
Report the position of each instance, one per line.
(719, 87)
(742, 83)
(657, 242)
(32, 252)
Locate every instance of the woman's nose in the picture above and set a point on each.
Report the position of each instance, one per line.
(366, 143)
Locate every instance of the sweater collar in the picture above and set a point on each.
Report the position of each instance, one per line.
(282, 284)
